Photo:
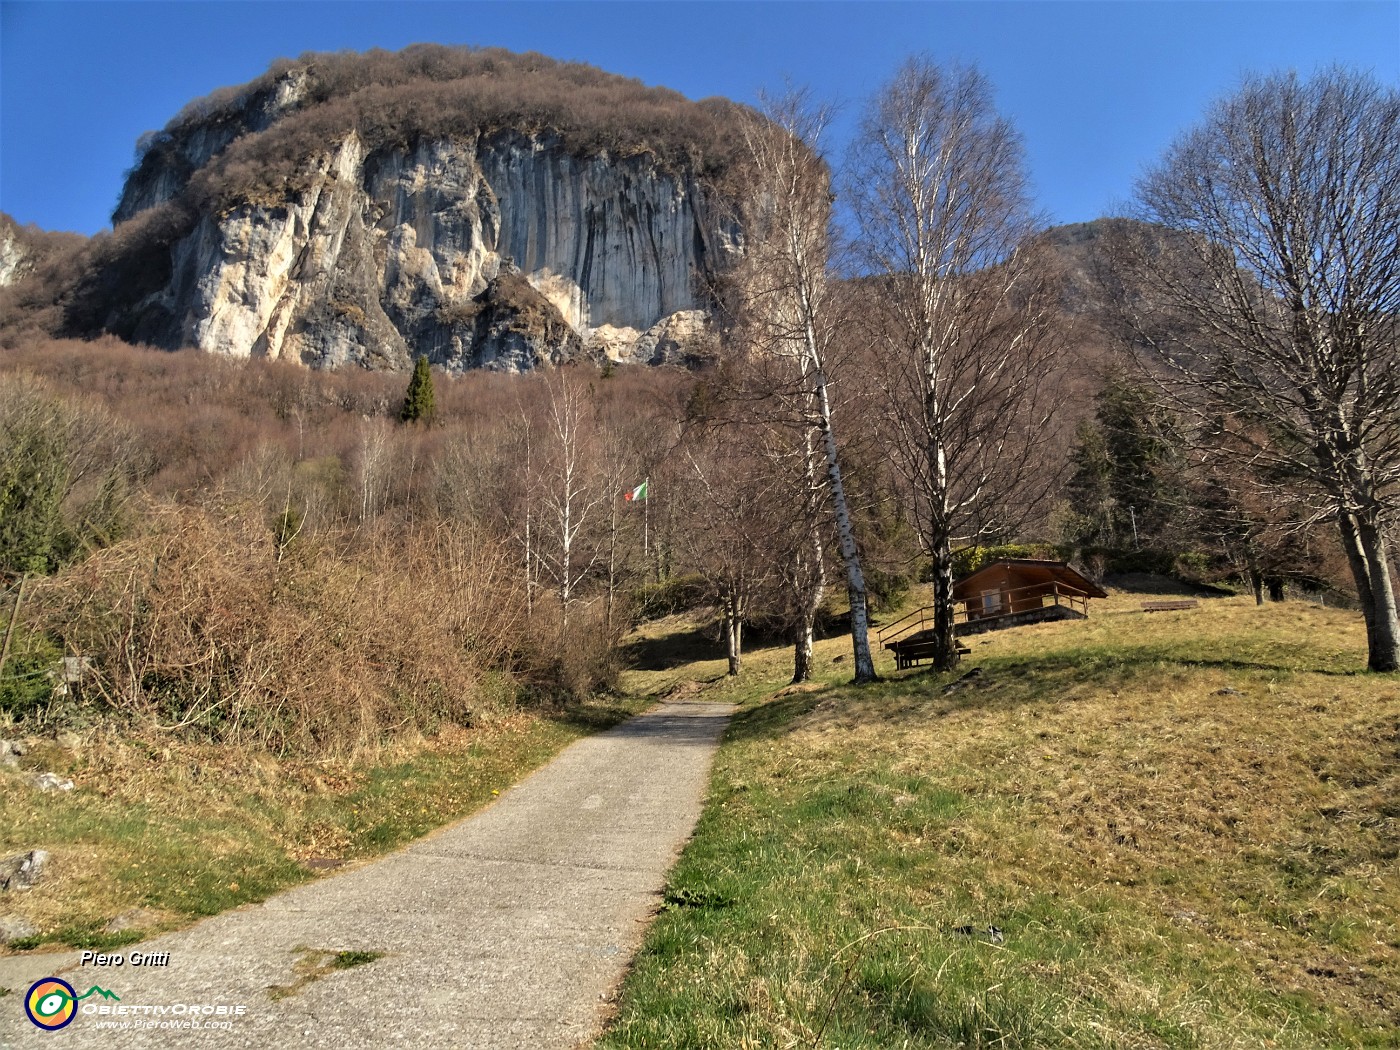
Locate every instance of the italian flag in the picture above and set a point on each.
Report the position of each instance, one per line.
(638, 493)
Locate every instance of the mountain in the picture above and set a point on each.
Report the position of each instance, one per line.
(484, 208)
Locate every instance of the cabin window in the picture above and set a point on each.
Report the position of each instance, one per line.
(991, 603)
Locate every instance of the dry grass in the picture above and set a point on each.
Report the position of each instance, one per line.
(182, 829)
(1184, 823)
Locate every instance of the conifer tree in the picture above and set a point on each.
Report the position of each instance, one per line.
(418, 402)
(1127, 482)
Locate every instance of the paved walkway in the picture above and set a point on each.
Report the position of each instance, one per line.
(509, 929)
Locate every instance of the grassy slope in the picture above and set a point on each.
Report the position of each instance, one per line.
(1172, 865)
(186, 830)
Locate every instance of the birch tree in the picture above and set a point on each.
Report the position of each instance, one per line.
(1282, 305)
(960, 312)
(788, 316)
(571, 493)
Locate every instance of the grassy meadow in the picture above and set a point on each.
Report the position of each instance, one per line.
(1182, 825)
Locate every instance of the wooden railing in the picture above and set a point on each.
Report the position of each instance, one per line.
(922, 620)
(1018, 599)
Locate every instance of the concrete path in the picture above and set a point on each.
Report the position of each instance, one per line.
(509, 929)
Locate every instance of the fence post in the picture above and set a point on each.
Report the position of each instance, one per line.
(10, 627)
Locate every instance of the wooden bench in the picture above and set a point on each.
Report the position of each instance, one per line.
(908, 654)
(1185, 603)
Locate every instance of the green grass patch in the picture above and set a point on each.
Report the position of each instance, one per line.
(349, 960)
(97, 940)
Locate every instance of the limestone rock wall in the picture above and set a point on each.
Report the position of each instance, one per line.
(14, 258)
(501, 252)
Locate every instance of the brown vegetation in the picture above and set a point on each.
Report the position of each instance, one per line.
(393, 100)
(230, 629)
(299, 571)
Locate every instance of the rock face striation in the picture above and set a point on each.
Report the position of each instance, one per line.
(491, 247)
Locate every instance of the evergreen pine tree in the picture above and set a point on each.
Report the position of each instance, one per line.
(1090, 488)
(418, 403)
(1127, 476)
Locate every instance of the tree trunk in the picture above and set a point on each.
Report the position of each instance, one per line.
(945, 645)
(802, 655)
(810, 571)
(1367, 555)
(14, 619)
(855, 578)
(1383, 628)
(1275, 585)
(612, 565)
(1256, 584)
(733, 633)
(529, 550)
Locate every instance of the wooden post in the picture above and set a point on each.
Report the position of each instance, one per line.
(10, 627)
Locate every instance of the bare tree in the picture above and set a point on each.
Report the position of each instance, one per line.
(570, 490)
(1281, 306)
(374, 455)
(788, 317)
(730, 541)
(961, 311)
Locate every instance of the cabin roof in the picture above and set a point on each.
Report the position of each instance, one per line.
(1032, 571)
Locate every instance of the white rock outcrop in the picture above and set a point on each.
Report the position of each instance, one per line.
(14, 260)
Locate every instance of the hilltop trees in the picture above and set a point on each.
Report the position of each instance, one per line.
(1281, 323)
(960, 310)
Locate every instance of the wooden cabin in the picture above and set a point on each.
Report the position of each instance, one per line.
(1020, 591)
(1003, 594)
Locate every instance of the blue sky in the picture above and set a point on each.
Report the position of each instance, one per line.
(1098, 89)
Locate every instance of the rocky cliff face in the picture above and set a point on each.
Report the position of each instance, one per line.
(500, 249)
(168, 161)
(14, 258)
(25, 248)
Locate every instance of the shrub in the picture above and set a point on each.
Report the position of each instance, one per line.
(65, 468)
(970, 559)
(197, 625)
(28, 678)
(885, 589)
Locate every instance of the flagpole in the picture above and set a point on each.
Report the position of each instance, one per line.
(646, 519)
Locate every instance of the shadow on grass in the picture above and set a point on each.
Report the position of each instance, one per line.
(773, 719)
(1003, 681)
(594, 716)
(672, 650)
